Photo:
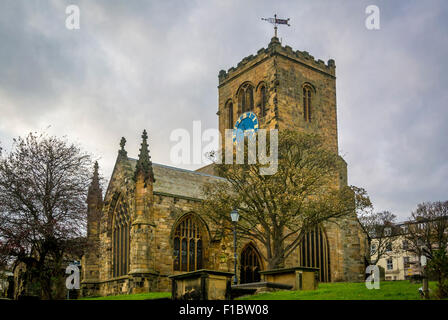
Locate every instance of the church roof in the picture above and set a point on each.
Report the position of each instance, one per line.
(177, 181)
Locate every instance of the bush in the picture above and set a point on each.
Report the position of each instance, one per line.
(438, 267)
(442, 289)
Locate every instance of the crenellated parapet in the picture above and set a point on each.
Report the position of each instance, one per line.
(276, 48)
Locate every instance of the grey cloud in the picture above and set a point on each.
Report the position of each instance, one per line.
(154, 65)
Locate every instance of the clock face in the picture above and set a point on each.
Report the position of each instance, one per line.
(246, 124)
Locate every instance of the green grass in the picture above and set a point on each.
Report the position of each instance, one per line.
(389, 290)
(139, 296)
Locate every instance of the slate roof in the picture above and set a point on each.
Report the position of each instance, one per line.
(177, 181)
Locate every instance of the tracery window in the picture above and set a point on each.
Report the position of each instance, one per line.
(120, 240)
(246, 98)
(307, 102)
(188, 244)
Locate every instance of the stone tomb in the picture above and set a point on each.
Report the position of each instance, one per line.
(202, 285)
(300, 278)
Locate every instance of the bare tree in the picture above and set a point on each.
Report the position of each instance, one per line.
(380, 230)
(278, 210)
(427, 235)
(43, 188)
(427, 229)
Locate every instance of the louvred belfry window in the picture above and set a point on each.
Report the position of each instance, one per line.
(307, 99)
(263, 101)
(230, 115)
(246, 98)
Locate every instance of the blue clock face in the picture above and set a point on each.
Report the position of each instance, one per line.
(246, 124)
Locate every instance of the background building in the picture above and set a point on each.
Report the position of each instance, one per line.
(399, 262)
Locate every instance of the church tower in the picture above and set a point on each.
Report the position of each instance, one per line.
(290, 89)
(285, 89)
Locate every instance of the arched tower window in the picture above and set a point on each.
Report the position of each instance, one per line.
(120, 240)
(188, 244)
(314, 252)
(307, 102)
(230, 121)
(263, 101)
(246, 98)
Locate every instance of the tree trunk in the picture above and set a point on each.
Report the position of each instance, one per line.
(278, 258)
(46, 285)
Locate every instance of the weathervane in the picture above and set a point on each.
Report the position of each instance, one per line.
(276, 21)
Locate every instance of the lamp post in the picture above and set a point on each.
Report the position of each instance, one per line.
(235, 216)
(423, 263)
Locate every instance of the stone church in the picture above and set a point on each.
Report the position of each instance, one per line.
(146, 228)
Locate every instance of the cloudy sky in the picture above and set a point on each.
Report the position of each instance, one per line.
(154, 65)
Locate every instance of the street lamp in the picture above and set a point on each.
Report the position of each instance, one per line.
(235, 216)
(425, 289)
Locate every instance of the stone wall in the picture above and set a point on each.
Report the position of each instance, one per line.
(292, 76)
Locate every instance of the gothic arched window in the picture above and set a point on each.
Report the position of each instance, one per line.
(314, 252)
(188, 244)
(263, 101)
(120, 240)
(246, 98)
(307, 99)
(230, 122)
